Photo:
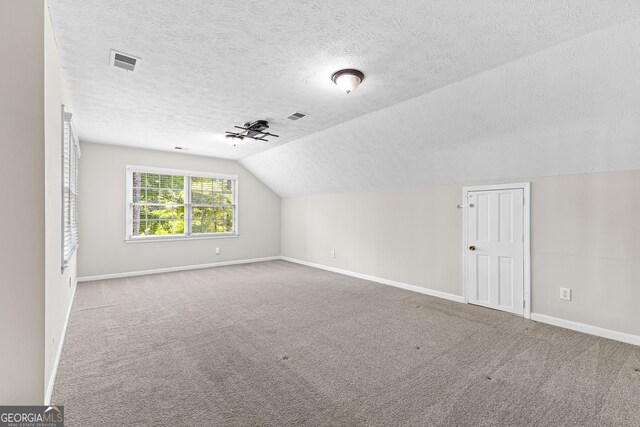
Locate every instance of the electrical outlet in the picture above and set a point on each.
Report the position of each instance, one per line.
(565, 294)
(217, 251)
(333, 254)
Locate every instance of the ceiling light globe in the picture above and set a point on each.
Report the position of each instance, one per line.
(348, 80)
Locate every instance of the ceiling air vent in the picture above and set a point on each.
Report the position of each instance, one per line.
(120, 60)
(296, 116)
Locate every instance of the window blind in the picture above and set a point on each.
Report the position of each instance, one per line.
(70, 162)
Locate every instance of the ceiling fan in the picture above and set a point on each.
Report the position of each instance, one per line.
(254, 130)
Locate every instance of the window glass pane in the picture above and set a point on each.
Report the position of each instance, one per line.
(151, 180)
(178, 183)
(178, 227)
(207, 226)
(197, 196)
(166, 227)
(207, 185)
(166, 196)
(151, 228)
(219, 198)
(196, 212)
(178, 197)
(152, 196)
(166, 181)
(178, 212)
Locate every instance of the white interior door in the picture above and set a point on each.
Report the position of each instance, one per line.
(495, 248)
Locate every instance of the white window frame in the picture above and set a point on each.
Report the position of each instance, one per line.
(70, 162)
(187, 235)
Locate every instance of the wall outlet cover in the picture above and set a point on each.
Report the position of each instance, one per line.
(565, 294)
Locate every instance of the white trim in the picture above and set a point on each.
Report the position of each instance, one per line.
(426, 291)
(178, 237)
(587, 329)
(56, 361)
(526, 187)
(172, 269)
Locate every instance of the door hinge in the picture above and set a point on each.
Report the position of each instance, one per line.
(524, 304)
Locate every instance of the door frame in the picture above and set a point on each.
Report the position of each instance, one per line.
(526, 187)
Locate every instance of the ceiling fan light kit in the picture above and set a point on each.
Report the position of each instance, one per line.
(253, 130)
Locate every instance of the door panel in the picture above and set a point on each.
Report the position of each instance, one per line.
(505, 233)
(505, 281)
(483, 214)
(495, 249)
(484, 278)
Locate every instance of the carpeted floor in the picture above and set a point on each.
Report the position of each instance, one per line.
(279, 344)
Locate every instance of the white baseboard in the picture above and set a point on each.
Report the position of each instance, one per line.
(56, 362)
(401, 285)
(587, 329)
(172, 269)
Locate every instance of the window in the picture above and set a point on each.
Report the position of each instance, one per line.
(169, 204)
(70, 160)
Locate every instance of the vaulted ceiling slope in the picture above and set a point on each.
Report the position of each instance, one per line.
(571, 108)
(208, 65)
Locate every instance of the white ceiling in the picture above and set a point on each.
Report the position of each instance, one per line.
(572, 108)
(208, 65)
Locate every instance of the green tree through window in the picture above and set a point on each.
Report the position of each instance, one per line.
(170, 204)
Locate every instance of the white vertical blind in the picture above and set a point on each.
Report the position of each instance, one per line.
(70, 160)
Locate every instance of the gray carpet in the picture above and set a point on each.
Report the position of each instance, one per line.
(278, 344)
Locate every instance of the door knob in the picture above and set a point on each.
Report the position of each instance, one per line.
(472, 248)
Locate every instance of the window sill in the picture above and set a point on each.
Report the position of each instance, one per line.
(182, 238)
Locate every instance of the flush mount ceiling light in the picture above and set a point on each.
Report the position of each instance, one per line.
(348, 80)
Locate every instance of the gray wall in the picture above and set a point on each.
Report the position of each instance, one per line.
(584, 234)
(59, 285)
(22, 257)
(102, 215)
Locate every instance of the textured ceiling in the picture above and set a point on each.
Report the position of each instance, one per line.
(572, 108)
(207, 65)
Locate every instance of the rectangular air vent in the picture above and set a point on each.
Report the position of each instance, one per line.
(296, 116)
(120, 60)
